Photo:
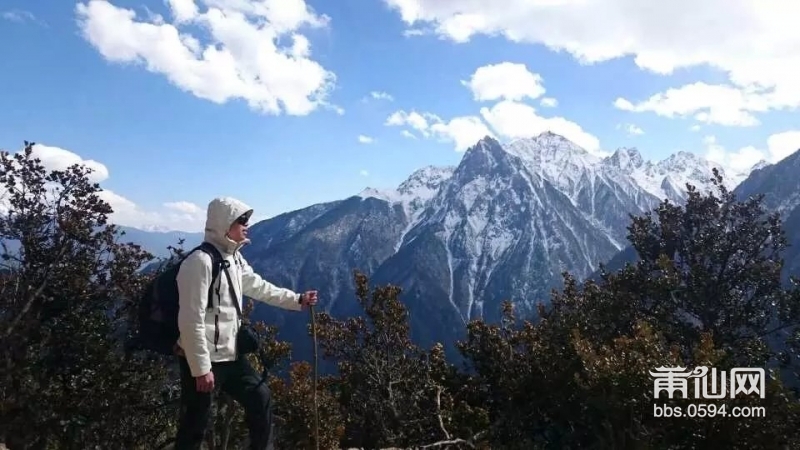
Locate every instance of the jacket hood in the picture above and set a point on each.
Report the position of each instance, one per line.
(221, 214)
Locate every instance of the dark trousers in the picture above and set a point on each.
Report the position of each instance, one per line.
(239, 380)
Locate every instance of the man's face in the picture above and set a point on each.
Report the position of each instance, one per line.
(238, 231)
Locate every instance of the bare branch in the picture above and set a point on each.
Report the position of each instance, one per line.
(449, 442)
(439, 411)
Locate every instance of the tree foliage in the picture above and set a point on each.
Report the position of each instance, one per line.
(706, 291)
(63, 294)
(392, 393)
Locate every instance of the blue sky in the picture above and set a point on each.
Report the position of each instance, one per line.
(173, 130)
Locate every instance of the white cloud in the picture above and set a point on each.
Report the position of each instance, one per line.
(779, 146)
(413, 32)
(510, 118)
(413, 119)
(379, 95)
(507, 118)
(183, 10)
(464, 132)
(548, 102)
(56, 158)
(365, 139)
(153, 17)
(631, 129)
(754, 42)
(179, 215)
(517, 120)
(364, 173)
(236, 57)
(734, 162)
(18, 15)
(184, 207)
(723, 105)
(504, 81)
(408, 134)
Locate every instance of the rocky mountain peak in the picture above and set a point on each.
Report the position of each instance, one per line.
(679, 161)
(428, 178)
(486, 145)
(549, 147)
(415, 192)
(759, 165)
(626, 159)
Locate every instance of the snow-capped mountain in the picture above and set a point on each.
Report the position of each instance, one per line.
(504, 224)
(779, 183)
(498, 229)
(415, 191)
(780, 187)
(413, 194)
(757, 166)
(668, 178)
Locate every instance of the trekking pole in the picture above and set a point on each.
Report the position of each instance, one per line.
(316, 374)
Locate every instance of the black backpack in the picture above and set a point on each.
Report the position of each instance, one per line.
(158, 306)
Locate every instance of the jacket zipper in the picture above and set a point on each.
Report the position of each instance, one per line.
(216, 332)
(216, 321)
(216, 316)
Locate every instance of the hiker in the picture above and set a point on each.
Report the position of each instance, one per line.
(207, 345)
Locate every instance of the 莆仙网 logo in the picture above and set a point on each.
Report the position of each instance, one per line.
(708, 383)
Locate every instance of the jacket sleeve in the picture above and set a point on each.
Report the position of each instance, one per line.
(262, 290)
(193, 280)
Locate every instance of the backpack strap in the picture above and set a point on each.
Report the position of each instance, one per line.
(233, 293)
(216, 264)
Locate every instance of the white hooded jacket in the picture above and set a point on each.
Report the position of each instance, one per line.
(208, 336)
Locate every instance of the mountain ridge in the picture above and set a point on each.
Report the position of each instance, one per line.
(682, 166)
(502, 224)
(780, 188)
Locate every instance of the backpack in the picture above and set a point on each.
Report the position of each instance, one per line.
(158, 306)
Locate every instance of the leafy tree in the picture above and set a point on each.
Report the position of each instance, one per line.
(63, 296)
(706, 291)
(294, 402)
(391, 392)
(717, 266)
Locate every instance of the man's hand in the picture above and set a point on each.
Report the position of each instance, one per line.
(205, 383)
(308, 298)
